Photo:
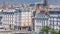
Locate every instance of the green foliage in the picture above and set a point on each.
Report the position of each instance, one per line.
(59, 32)
(54, 32)
(45, 29)
(36, 33)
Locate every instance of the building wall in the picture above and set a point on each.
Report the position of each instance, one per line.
(26, 18)
(54, 20)
(40, 21)
(7, 19)
(17, 18)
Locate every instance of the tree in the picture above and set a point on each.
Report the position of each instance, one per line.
(45, 29)
(54, 32)
(59, 32)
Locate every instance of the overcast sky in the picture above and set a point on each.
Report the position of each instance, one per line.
(56, 2)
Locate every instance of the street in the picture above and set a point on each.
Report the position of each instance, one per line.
(16, 32)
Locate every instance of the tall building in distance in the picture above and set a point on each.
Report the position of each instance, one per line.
(45, 2)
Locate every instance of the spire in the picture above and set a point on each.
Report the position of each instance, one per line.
(45, 2)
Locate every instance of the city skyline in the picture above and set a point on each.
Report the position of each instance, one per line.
(30, 1)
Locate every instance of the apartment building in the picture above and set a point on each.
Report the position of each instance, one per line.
(51, 19)
(9, 18)
(40, 21)
(26, 18)
(54, 19)
(6, 17)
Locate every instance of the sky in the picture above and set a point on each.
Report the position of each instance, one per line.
(55, 2)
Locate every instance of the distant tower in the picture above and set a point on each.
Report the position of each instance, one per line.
(45, 2)
(4, 5)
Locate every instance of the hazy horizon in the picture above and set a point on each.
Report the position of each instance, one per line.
(55, 2)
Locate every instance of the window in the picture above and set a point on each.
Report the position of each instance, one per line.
(29, 14)
(45, 22)
(55, 19)
(11, 16)
(55, 23)
(58, 19)
(27, 17)
(38, 21)
(51, 18)
(27, 20)
(51, 22)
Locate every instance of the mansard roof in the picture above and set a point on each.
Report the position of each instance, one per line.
(41, 16)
